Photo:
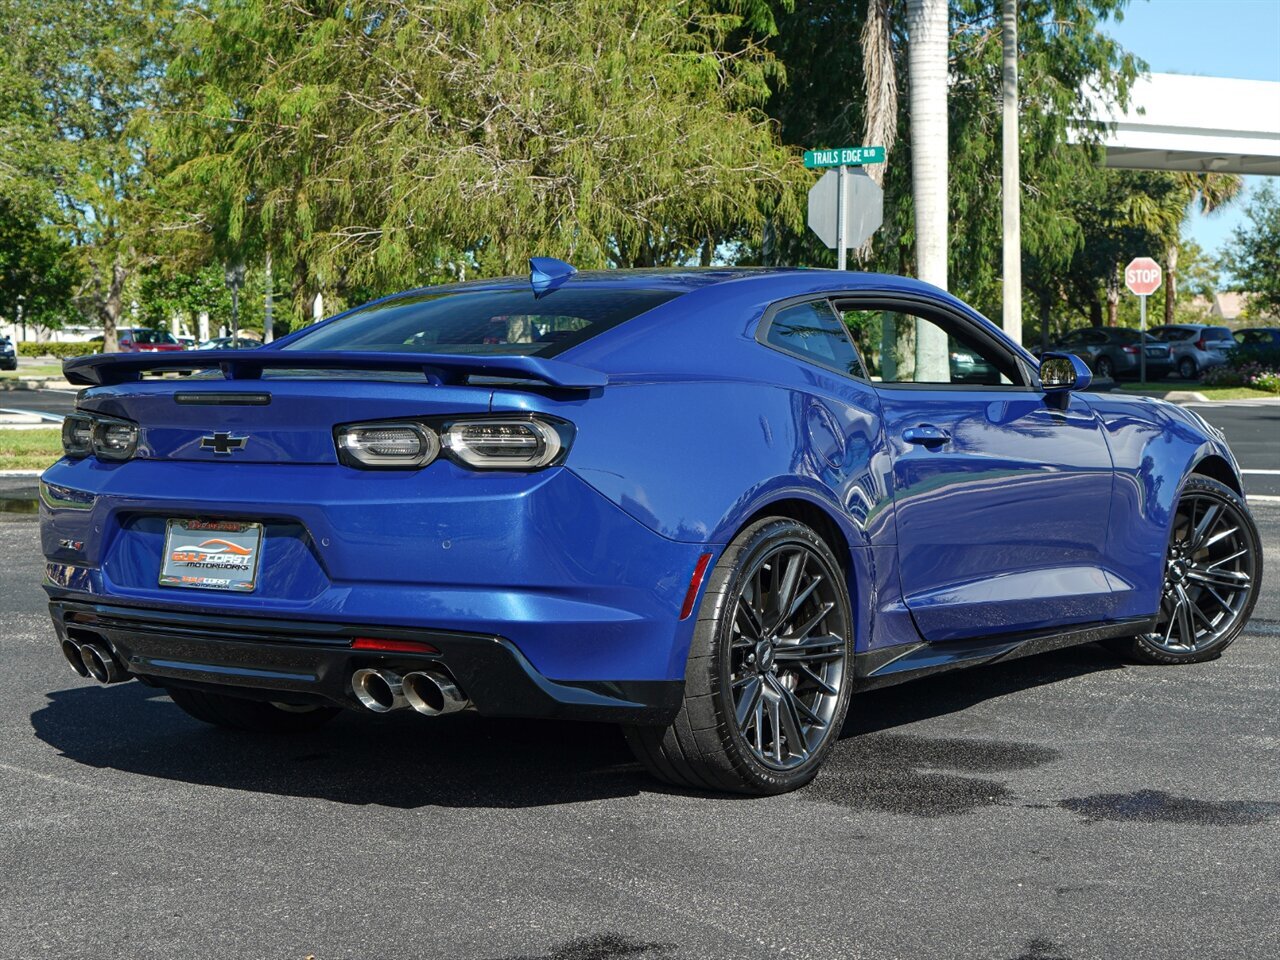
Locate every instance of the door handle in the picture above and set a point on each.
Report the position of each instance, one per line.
(927, 434)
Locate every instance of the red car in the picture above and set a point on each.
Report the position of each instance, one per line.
(144, 340)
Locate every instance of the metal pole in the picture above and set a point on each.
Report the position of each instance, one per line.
(1010, 182)
(842, 228)
(1142, 338)
(268, 324)
(235, 315)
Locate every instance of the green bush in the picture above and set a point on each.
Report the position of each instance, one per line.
(60, 351)
(1264, 358)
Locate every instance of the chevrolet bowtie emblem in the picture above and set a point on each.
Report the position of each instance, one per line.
(223, 443)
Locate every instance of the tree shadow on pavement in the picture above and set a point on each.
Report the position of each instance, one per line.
(406, 760)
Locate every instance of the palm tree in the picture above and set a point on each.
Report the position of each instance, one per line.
(927, 32)
(1208, 192)
(879, 84)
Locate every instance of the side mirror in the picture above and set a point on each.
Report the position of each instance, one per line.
(1063, 372)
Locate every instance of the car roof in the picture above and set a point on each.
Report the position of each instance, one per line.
(712, 307)
(690, 279)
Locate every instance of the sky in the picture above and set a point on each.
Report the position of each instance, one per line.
(1217, 38)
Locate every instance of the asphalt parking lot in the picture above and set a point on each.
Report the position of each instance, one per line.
(1056, 808)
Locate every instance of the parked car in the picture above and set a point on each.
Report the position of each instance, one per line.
(1113, 352)
(1196, 347)
(685, 501)
(188, 343)
(229, 343)
(8, 355)
(1258, 337)
(143, 340)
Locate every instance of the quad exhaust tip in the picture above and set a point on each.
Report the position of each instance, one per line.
(93, 660)
(433, 694)
(378, 690)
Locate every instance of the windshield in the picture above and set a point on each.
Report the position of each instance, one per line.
(492, 321)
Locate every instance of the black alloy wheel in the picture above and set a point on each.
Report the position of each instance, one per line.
(1187, 369)
(1106, 369)
(768, 678)
(1213, 569)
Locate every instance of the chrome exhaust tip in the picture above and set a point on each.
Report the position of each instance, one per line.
(378, 690)
(433, 694)
(100, 663)
(71, 650)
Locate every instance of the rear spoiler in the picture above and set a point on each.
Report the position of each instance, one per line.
(106, 369)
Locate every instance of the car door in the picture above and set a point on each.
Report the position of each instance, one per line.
(1001, 493)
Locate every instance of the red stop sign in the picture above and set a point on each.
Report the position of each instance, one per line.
(1142, 276)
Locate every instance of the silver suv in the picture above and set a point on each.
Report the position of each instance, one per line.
(1196, 347)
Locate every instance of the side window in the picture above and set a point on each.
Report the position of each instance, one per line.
(813, 331)
(1095, 338)
(901, 347)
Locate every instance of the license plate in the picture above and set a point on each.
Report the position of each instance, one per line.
(211, 555)
(1154, 353)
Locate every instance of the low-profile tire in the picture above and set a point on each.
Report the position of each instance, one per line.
(1105, 369)
(1187, 369)
(770, 668)
(258, 716)
(1213, 571)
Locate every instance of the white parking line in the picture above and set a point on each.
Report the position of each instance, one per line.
(1261, 498)
(1268, 473)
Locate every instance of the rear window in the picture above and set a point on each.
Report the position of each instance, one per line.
(492, 321)
(1217, 333)
(153, 336)
(1176, 333)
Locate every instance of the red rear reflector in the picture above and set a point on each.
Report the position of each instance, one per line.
(392, 646)
(695, 582)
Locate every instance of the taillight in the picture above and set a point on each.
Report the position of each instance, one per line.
(1129, 349)
(106, 438)
(1202, 344)
(481, 443)
(77, 436)
(404, 446)
(114, 439)
(503, 444)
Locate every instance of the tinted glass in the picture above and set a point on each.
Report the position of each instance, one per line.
(899, 347)
(153, 336)
(493, 321)
(1217, 333)
(1174, 333)
(813, 331)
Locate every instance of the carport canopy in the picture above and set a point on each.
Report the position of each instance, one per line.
(1201, 124)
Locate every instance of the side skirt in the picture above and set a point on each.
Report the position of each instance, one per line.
(883, 668)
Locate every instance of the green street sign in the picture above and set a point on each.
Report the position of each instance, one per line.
(843, 157)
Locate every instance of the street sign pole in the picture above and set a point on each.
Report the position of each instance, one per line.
(1142, 338)
(842, 227)
(1142, 276)
(845, 206)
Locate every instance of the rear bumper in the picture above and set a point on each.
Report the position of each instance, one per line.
(312, 662)
(582, 590)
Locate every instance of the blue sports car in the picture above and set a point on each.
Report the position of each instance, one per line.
(709, 505)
